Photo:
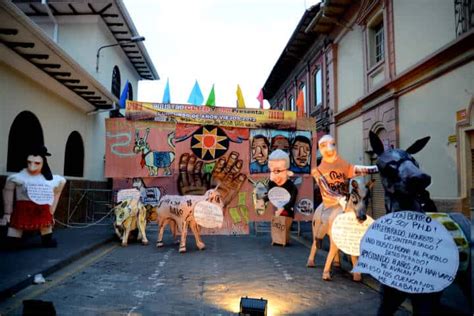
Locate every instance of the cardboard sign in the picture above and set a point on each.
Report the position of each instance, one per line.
(40, 193)
(409, 251)
(280, 231)
(347, 232)
(128, 194)
(279, 197)
(208, 215)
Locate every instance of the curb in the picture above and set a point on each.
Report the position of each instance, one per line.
(12, 290)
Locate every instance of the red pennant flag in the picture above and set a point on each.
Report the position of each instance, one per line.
(300, 104)
(260, 98)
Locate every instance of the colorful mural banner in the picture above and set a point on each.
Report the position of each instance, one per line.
(220, 116)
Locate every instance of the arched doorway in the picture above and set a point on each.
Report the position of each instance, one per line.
(74, 156)
(378, 194)
(25, 132)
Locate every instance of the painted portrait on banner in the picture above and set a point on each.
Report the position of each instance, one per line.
(139, 149)
(300, 152)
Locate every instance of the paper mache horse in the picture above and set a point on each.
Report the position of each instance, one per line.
(178, 212)
(356, 201)
(154, 160)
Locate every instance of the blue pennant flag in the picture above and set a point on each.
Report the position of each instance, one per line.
(196, 96)
(124, 95)
(166, 94)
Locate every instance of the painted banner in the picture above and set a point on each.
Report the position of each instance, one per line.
(139, 149)
(409, 251)
(203, 115)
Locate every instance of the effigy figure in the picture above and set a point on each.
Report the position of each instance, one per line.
(30, 199)
(405, 189)
(332, 176)
(282, 194)
(178, 211)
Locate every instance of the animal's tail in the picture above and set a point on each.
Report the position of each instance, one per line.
(171, 139)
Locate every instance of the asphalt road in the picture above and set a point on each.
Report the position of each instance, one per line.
(145, 280)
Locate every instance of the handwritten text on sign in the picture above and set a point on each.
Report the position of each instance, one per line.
(40, 193)
(409, 251)
(128, 194)
(278, 197)
(347, 232)
(208, 215)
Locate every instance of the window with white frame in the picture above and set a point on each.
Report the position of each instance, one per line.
(376, 40)
(318, 88)
(291, 103)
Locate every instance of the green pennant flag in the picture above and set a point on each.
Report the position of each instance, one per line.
(211, 99)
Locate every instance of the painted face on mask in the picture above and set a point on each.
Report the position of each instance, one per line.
(35, 164)
(327, 147)
(278, 171)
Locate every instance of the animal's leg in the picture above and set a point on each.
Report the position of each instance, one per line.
(327, 266)
(161, 229)
(166, 171)
(312, 253)
(174, 230)
(118, 232)
(356, 276)
(184, 234)
(127, 224)
(142, 225)
(195, 229)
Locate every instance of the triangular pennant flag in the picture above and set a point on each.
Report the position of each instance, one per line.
(240, 98)
(166, 94)
(300, 104)
(124, 96)
(196, 97)
(211, 99)
(260, 98)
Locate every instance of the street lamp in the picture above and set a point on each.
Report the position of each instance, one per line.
(133, 39)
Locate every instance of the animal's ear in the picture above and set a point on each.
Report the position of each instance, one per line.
(418, 145)
(376, 143)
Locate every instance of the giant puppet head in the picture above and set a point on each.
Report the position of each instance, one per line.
(278, 163)
(37, 163)
(327, 148)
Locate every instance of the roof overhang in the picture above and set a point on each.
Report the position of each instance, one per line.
(320, 19)
(296, 48)
(115, 17)
(21, 37)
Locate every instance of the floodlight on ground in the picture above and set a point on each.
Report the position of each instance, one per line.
(253, 306)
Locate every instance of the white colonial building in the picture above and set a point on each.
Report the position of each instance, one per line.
(402, 69)
(63, 66)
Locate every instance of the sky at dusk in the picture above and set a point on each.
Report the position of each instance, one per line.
(220, 42)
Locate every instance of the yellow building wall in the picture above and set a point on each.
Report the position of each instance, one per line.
(350, 69)
(350, 144)
(418, 31)
(58, 118)
(430, 110)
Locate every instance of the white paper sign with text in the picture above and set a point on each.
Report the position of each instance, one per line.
(347, 232)
(279, 196)
(409, 251)
(40, 193)
(128, 194)
(208, 215)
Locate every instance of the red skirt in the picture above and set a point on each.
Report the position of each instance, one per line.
(28, 215)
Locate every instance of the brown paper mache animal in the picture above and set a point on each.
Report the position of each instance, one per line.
(178, 211)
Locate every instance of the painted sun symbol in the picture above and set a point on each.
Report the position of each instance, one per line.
(209, 141)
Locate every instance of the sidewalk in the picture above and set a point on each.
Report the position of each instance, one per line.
(18, 267)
